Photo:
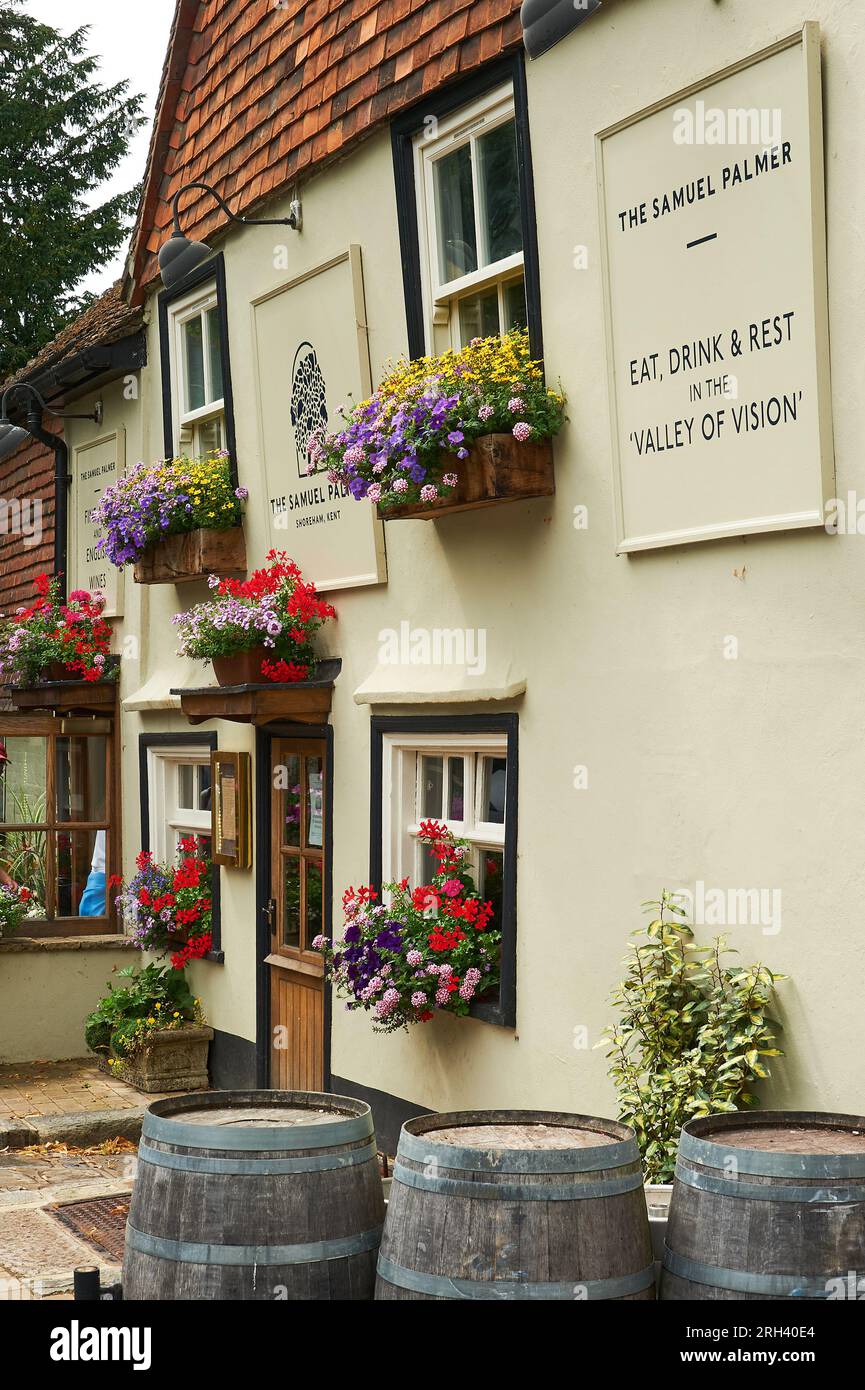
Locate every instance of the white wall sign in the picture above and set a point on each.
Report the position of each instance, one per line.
(713, 243)
(312, 356)
(96, 466)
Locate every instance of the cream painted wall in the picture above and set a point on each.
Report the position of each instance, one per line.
(46, 994)
(738, 773)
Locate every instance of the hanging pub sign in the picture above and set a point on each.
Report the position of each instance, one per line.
(96, 466)
(312, 356)
(231, 827)
(714, 263)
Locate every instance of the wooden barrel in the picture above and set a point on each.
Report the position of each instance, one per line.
(767, 1205)
(516, 1204)
(255, 1195)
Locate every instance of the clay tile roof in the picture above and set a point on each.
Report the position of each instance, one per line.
(106, 320)
(255, 94)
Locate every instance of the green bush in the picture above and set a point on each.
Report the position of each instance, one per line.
(693, 1034)
(156, 997)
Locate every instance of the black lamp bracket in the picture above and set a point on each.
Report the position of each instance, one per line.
(293, 220)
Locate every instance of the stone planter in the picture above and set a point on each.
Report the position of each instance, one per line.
(498, 469)
(193, 555)
(175, 1059)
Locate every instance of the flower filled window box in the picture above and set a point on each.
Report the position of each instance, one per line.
(151, 1032)
(175, 521)
(55, 652)
(445, 434)
(431, 949)
(169, 908)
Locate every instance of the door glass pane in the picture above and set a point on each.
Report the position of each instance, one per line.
(22, 778)
(314, 802)
(314, 918)
(479, 315)
(80, 777)
(22, 861)
(490, 882)
(493, 781)
(456, 789)
(81, 858)
(432, 789)
(455, 214)
(214, 354)
(499, 183)
(515, 305)
(289, 773)
(291, 901)
(193, 358)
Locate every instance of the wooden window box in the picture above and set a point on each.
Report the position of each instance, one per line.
(66, 696)
(498, 469)
(193, 555)
(301, 702)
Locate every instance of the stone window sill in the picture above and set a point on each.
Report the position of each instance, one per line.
(14, 945)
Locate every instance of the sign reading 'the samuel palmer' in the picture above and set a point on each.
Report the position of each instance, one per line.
(312, 357)
(97, 465)
(715, 279)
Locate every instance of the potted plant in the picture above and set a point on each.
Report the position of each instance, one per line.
(151, 1032)
(429, 949)
(692, 1038)
(443, 434)
(168, 908)
(176, 520)
(54, 640)
(258, 630)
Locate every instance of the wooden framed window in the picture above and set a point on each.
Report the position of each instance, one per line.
(462, 771)
(197, 402)
(59, 821)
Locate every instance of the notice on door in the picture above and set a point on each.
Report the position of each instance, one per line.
(714, 260)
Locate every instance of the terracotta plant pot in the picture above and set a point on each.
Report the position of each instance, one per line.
(244, 668)
(498, 469)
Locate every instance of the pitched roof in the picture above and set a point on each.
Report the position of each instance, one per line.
(256, 95)
(108, 319)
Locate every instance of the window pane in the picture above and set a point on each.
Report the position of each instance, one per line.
(22, 860)
(22, 778)
(203, 783)
(201, 838)
(314, 917)
(80, 777)
(493, 781)
(515, 305)
(193, 356)
(209, 435)
(290, 772)
(81, 858)
(291, 901)
(455, 215)
(499, 185)
(186, 786)
(456, 789)
(490, 882)
(432, 790)
(479, 315)
(314, 802)
(214, 347)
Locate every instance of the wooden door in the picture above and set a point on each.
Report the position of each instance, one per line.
(298, 838)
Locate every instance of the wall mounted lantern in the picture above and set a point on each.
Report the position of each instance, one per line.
(13, 435)
(178, 256)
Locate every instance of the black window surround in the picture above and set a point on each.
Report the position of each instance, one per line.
(403, 130)
(211, 271)
(195, 740)
(504, 1010)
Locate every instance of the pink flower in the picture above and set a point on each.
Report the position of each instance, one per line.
(354, 454)
(429, 493)
(400, 485)
(442, 996)
(414, 957)
(450, 479)
(374, 492)
(418, 999)
(517, 406)
(466, 990)
(486, 412)
(453, 887)
(522, 431)
(319, 942)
